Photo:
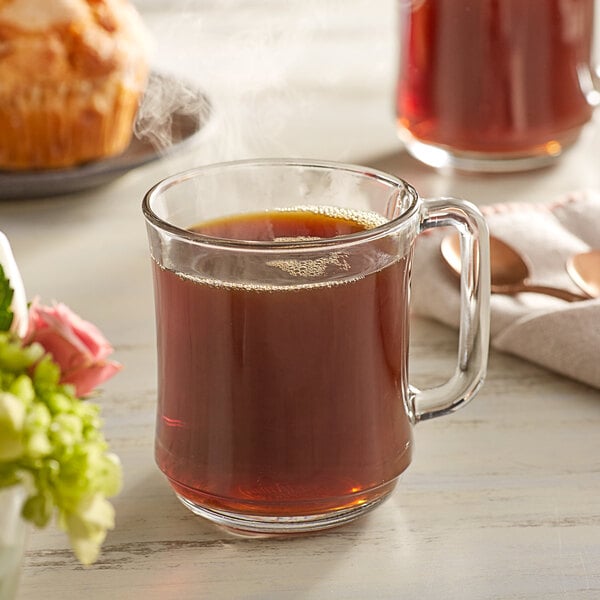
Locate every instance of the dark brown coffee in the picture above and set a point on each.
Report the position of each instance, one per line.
(283, 400)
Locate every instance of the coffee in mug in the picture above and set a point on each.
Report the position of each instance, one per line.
(282, 313)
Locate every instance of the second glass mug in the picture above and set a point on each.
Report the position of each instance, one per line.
(494, 85)
(282, 311)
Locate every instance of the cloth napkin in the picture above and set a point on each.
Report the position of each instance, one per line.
(559, 335)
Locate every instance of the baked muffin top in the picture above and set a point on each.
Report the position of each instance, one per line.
(46, 42)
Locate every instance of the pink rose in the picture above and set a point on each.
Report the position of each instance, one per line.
(76, 345)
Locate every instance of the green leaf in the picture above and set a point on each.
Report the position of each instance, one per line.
(6, 296)
(39, 508)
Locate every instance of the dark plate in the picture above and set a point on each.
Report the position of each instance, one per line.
(170, 109)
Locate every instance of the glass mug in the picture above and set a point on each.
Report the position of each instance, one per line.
(282, 311)
(489, 85)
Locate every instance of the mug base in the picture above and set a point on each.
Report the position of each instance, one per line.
(443, 157)
(261, 526)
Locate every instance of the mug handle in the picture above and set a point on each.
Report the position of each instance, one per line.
(474, 330)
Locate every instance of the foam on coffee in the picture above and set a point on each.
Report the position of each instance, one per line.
(299, 270)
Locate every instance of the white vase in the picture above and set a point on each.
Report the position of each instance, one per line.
(13, 539)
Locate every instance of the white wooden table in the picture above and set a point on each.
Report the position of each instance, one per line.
(502, 499)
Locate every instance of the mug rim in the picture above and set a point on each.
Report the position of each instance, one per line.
(277, 245)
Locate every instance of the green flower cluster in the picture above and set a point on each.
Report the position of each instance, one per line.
(51, 442)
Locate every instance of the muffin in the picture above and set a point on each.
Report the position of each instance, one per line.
(72, 73)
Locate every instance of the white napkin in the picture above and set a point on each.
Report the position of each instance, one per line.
(19, 300)
(559, 335)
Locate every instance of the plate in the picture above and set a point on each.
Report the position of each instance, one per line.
(170, 108)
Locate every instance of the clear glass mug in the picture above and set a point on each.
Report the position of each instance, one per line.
(282, 330)
(487, 85)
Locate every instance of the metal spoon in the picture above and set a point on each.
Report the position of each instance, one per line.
(584, 270)
(509, 271)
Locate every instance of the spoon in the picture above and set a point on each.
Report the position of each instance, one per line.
(584, 270)
(509, 271)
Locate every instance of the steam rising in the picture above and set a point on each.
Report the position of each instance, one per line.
(171, 111)
(239, 74)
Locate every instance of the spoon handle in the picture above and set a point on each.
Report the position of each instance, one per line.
(540, 289)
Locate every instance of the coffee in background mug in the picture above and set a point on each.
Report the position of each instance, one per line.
(282, 299)
(494, 85)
